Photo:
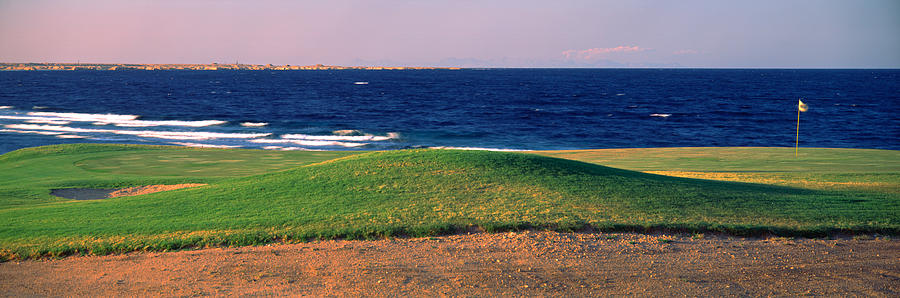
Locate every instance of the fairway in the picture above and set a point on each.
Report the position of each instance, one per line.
(256, 197)
(28, 175)
(740, 159)
(176, 162)
(813, 168)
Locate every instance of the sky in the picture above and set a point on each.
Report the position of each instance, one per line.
(486, 33)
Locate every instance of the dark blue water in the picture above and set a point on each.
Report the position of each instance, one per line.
(496, 108)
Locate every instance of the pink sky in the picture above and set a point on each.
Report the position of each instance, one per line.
(765, 33)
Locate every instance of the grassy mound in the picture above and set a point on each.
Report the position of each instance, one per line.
(27, 175)
(428, 192)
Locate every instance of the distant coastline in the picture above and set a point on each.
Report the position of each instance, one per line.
(213, 66)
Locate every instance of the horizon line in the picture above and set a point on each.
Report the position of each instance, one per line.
(321, 65)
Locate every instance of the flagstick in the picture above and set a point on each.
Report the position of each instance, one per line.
(797, 144)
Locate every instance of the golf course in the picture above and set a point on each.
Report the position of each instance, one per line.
(254, 197)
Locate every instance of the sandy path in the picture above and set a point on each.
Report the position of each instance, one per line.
(526, 263)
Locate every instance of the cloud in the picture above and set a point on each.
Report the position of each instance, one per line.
(595, 53)
(686, 52)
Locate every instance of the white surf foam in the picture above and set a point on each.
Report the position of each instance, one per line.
(20, 117)
(362, 138)
(198, 145)
(70, 137)
(660, 115)
(254, 124)
(151, 123)
(191, 135)
(169, 136)
(54, 128)
(288, 148)
(360, 83)
(5, 107)
(307, 142)
(119, 120)
(172, 135)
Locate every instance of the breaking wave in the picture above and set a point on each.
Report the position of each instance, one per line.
(254, 124)
(71, 137)
(198, 145)
(118, 120)
(308, 142)
(288, 148)
(46, 133)
(354, 138)
(172, 135)
(100, 127)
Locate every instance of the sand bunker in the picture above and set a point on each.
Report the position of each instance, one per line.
(105, 193)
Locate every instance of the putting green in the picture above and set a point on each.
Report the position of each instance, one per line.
(814, 168)
(740, 159)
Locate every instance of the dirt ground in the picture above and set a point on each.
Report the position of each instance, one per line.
(141, 190)
(480, 264)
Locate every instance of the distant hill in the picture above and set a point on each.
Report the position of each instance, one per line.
(213, 66)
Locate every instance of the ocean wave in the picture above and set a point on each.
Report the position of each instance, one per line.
(46, 133)
(114, 119)
(5, 107)
(288, 148)
(353, 138)
(198, 145)
(254, 124)
(86, 117)
(48, 121)
(151, 123)
(71, 137)
(660, 115)
(22, 117)
(308, 142)
(192, 135)
(171, 135)
(53, 128)
(478, 149)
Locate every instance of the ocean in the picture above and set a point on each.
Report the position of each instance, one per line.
(500, 109)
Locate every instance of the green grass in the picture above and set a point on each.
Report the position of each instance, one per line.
(814, 168)
(27, 175)
(256, 197)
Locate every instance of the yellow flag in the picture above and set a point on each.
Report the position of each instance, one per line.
(801, 107)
